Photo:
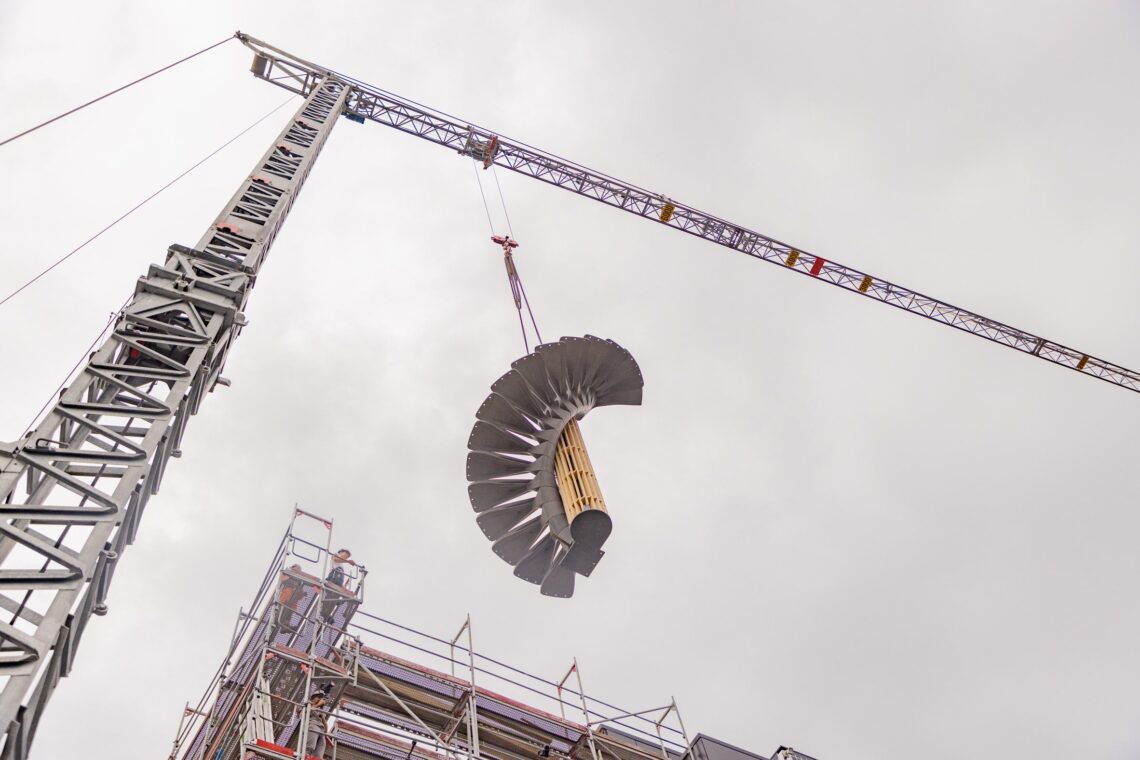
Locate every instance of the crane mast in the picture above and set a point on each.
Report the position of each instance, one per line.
(74, 488)
(367, 102)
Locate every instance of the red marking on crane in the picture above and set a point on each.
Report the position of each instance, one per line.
(1084, 361)
(817, 267)
(491, 150)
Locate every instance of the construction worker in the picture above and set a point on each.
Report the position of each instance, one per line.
(337, 575)
(317, 739)
(290, 592)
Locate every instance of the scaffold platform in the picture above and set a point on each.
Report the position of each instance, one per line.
(309, 674)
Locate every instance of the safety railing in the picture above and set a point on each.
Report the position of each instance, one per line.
(658, 730)
(298, 614)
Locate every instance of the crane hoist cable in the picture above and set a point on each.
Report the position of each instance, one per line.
(139, 205)
(508, 243)
(502, 200)
(483, 195)
(517, 279)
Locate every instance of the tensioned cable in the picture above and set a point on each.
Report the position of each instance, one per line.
(140, 204)
(518, 292)
(521, 289)
(512, 273)
(502, 200)
(486, 207)
(120, 89)
(71, 372)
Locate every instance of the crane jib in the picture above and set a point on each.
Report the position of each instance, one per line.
(369, 103)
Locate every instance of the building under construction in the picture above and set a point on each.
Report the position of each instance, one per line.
(311, 674)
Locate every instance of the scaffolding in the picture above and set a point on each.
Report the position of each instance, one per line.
(291, 645)
(309, 674)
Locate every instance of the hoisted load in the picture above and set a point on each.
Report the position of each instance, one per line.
(532, 485)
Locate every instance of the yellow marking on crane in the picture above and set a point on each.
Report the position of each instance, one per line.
(865, 284)
(793, 257)
(1084, 361)
(667, 211)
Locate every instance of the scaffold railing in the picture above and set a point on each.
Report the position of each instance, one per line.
(292, 641)
(308, 674)
(575, 719)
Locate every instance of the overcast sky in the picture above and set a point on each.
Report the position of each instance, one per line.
(837, 526)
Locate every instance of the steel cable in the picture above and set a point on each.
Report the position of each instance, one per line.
(139, 205)
(518, 293)
(502, 200)
(71, 372)
(117, 90)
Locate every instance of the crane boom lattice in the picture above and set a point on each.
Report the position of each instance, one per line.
(367, 102)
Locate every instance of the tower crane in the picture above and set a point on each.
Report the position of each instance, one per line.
(74, 488)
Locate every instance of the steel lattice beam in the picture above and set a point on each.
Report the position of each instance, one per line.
(73, 490)
(367, 102)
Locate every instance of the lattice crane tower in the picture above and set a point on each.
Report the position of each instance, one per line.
(74, 489)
